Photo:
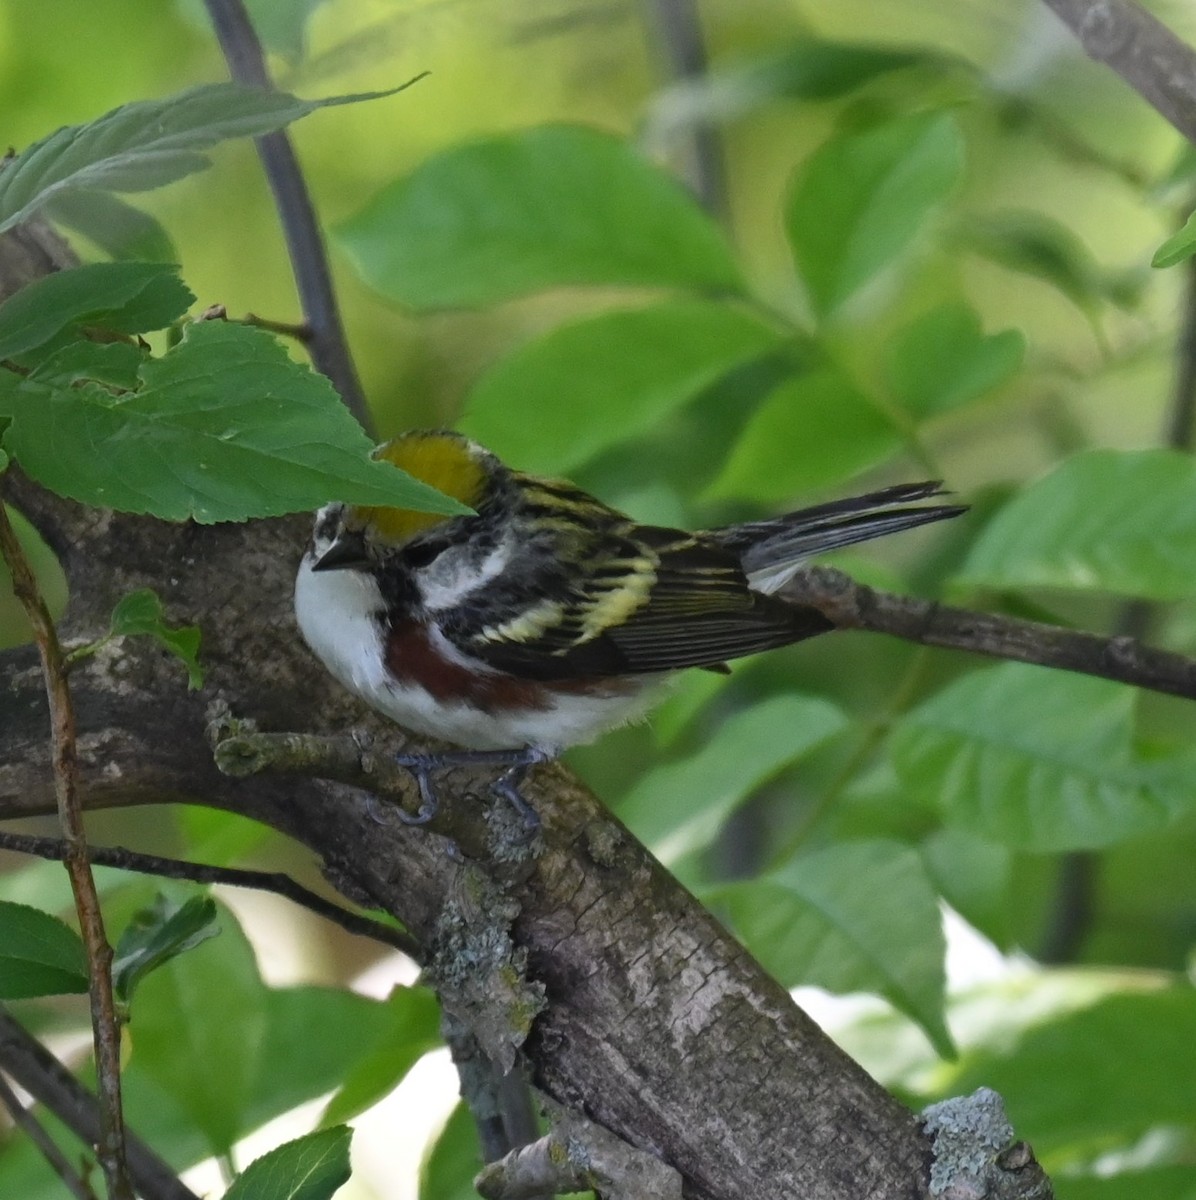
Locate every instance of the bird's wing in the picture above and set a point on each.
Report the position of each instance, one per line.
(651, 600)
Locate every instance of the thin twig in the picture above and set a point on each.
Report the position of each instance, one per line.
(679, 35)
(262, 881)
(851, 605)
(327, 344)
(200, 873)
(105, 1026)
(26, 1061)
(24, 1120)
(1141, 49)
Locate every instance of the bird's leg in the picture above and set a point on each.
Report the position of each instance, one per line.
(505, 786)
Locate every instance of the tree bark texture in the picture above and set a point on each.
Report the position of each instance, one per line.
(626, 1000)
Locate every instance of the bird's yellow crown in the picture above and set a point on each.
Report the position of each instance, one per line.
(446, 461)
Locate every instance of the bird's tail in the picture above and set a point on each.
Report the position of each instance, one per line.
(774, 549)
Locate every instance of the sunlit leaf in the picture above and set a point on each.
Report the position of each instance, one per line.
(561, 399)
(944, 360)
(224, 427)
(145, 144)
(1039, 760)
(39, 954)
(309, 1168)
(534, 209)
(1109, 520)
(862, 198)
(813, 430)
(680, 807)
(858, 916)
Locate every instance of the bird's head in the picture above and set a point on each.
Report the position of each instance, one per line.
(356, 537)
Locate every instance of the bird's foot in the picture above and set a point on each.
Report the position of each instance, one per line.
(506, 786)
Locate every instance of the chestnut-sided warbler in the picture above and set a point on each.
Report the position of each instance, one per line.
(548, 618)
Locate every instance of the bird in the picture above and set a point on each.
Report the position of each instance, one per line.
(545, 617)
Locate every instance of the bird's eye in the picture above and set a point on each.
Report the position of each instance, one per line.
(422, 554)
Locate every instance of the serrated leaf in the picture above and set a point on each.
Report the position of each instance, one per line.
(813, 430)
(309, 1168)
(118, 229)
(141, 612)
(225, 427)
(155, 935)
(122, 297)
(1037, 759)
(858, 916)
(412, 1030)
(1120, 521)
(39, 954)
(680, 807)
(944, 360)
(113, 364)
(584, 387)
(545, 207)
(145, 144)
(862, 198)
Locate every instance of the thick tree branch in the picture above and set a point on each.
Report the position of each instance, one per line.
(26, 1061)
(1141, 49)
(326, 340)
(65, 763)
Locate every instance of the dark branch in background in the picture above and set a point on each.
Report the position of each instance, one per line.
(29, 1064)
(678, 28)
(65, 763)
(55, 849)
(24, 1120)
(851, 605)
(1141, 49)
(326, 343)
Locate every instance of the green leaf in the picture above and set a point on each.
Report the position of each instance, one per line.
(1179, 247)
(225, 427)
(944, 360)
(39, 954)
(1105, 520)
(3, 462)
(1157, 1183)
(184, 1038)
(813, 430)
(282, 24)
(858, 916)
(1105, 1074)
(534, 209)
(412, 1030)
(145, 144)
(584, 387)
(807, 69)
(141, 612)
(121, 297)
(448, 1171)
(1037, 759)
(309, 1168)
(975, 877)
(681, 806)
(862, 198)
(118, 229)
(157, 934)
(114, 364)
(1036, 245)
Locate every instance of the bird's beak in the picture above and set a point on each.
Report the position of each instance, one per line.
(346, 553)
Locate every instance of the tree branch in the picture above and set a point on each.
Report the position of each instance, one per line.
(852, 605)
(326, 340)
(34, 1068)
(1141, 49)
(277, 883)
(104, 1023)
(24, 1120)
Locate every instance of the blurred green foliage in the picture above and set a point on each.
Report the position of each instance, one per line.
(935, 261)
